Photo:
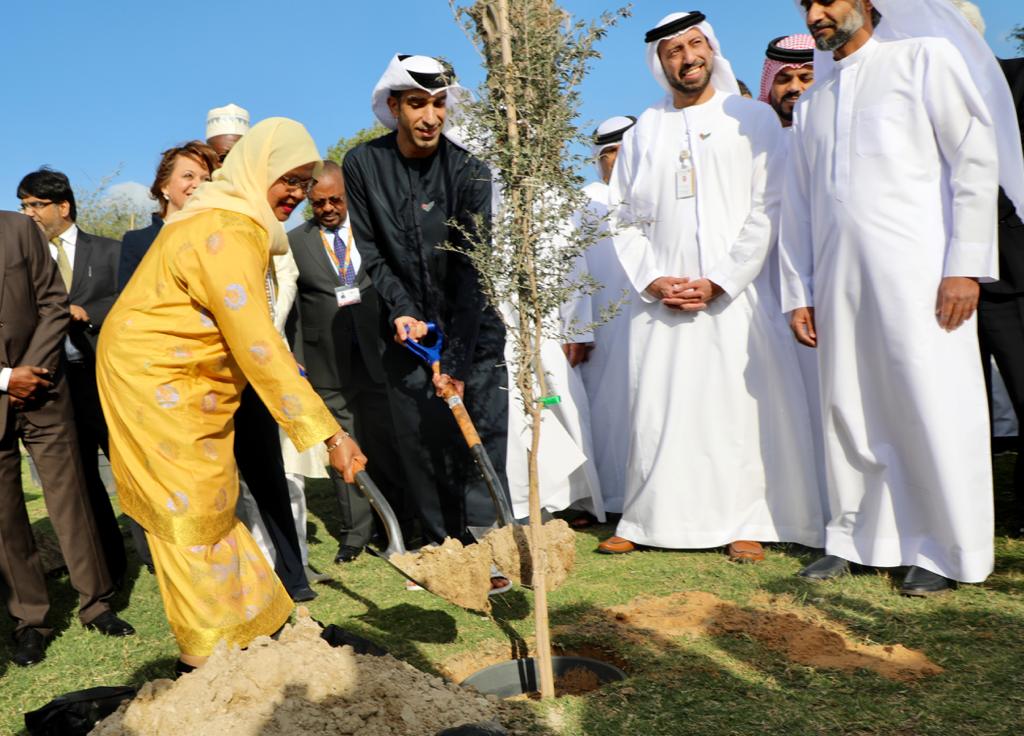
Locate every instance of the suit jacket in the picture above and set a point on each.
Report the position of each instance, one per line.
(93, 287)
(1011, 229)
(34, 314)
(133, 247)
(326, 332)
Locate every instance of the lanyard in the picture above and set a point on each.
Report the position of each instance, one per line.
(342, 269)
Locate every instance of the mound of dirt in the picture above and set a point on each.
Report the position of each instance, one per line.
(775, 626)
(510, 548)
(461, 573)
(299, 685)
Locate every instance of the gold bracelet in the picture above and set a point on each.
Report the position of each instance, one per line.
(336, 445)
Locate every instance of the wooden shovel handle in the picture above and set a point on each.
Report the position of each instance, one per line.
(454, 401)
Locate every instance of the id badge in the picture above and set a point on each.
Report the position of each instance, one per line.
(685, 183)
(347, 295)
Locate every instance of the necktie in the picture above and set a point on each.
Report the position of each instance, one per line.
(345, 269)
(63, 263)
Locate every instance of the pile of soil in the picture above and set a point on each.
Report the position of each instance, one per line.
(299, 685)
(777, 626)
(462, 574)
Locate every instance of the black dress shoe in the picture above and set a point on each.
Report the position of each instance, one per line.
(825, 568)
(346, 553)
(110, 625)
(29, 647)
(301, 595)
(921, 583)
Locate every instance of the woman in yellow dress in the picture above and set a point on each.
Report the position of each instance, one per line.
(189, 331)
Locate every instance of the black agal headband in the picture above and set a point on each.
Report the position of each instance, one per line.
(788, 56)
(674, 27)
(613, 136)
(427, 80)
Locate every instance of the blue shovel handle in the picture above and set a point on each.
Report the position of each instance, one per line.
(428, 353)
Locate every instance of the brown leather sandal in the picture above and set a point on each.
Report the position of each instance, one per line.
(746, 551)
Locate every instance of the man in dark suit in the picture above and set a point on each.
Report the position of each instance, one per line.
(88, 267)
(35, 408)
(1001, 306)
(339, 325)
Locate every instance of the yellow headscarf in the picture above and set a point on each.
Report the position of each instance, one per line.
(271, 148)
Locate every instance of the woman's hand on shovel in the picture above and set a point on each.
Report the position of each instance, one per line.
(345, 456)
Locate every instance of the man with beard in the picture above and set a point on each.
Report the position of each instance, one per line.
(720, 445)
(888, 224)
(405, 190)
(787, 73)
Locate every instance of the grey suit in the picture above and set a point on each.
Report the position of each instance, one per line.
(341, 352)
(33, 322)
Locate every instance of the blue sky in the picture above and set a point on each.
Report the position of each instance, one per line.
(91, 88)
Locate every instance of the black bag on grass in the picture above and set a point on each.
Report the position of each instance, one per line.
(339, 637)
(75, 714)
(475, 729)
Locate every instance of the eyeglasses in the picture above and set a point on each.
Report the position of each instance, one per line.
(35, 206)
(296, 182)
(321, 203)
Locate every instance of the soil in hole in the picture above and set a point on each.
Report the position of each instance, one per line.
(576, 681)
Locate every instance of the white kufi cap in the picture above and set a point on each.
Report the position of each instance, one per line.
(228, 120)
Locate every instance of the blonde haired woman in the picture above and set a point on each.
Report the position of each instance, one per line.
(188, 333)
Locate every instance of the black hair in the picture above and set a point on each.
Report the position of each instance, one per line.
(876, 17)
(744, 89)
(48, 184)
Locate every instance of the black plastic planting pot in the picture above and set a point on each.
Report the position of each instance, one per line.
(519, 676)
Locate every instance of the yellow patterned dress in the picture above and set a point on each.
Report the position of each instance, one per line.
(189, 330)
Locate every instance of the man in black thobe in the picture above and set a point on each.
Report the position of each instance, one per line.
(1001, 306)
(403, 190)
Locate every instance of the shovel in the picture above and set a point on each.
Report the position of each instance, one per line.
(451, 584)
(392, 528)
(430, 353)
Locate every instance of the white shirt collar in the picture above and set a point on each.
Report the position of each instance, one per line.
(341, 228)
(70, 236)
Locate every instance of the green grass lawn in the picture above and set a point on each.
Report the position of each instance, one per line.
(722, 684)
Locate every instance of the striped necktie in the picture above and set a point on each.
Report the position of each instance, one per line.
(63, 263)
(349, 275)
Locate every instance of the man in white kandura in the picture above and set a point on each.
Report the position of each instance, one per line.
(888, 224)
(720, 441)
(605, 370)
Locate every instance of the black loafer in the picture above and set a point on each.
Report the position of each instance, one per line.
(921, 583)
(828, 567)
(346, 553)
(29, 648)
(302, 595)
(110, 625)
